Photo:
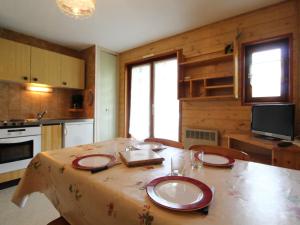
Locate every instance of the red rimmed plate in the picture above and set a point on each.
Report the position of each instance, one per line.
(179, 193)
(217, 160)
(89, 162)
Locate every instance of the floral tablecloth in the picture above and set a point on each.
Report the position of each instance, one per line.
(249, 193)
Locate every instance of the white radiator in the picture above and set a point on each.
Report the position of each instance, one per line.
(200, 137)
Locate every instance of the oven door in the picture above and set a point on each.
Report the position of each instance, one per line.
(16, 153)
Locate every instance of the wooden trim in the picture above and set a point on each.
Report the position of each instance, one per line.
(180, 122)
(288, 97)
(154, 57)
(152, 89)
(128, 102)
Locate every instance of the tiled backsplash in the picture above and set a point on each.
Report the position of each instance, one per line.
(18, 103)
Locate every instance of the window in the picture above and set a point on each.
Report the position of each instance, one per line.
(267, 71)
(153, 105)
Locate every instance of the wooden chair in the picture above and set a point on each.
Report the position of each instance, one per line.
(166, 142)
(59, 221)
(230, 152)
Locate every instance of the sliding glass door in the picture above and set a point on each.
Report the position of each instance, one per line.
(140, 102)
(153, 104)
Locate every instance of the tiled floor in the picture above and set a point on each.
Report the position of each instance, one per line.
(37, 211)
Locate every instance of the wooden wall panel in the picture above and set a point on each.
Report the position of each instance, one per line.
(226, 116)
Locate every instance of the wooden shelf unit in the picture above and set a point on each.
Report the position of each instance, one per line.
(210, 76)
(200, 62)
(205, 98)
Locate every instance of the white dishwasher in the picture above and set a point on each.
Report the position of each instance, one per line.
(78, 133)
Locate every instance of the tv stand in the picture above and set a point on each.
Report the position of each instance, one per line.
(266, 137)
(266, 151)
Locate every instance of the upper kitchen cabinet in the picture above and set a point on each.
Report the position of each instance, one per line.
(14, 61)
(45, 67)
(72, 72)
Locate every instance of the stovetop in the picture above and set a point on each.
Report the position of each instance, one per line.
(18, 123)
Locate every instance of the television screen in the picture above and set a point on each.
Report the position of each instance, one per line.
(274, 120)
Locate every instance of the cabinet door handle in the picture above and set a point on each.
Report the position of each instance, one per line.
(25, 78)
(64, 83)
(35, 79)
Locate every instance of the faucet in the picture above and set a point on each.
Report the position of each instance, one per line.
(40, 115)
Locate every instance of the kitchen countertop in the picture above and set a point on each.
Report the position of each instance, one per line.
(53, 121)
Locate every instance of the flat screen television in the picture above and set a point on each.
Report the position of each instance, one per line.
(276, 121)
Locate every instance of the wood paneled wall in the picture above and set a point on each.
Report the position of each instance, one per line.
(226, 116)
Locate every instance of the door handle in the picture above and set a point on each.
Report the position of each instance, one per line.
(25, 78)
(65, 131)
(16, 130)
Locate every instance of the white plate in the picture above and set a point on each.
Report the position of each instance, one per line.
(149, 146)
(178, 192)
(96, 161)
(215, 159)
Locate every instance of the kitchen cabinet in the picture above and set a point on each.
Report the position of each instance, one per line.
(25, 64)
(45, 67)
(51, 137)
(72, 72)
(9, 176)
(14, 61)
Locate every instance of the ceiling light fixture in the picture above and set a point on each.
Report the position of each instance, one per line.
(77, 8)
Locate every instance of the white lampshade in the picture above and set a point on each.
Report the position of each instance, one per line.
(77, 8)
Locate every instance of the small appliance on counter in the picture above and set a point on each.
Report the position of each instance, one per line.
(77, 102)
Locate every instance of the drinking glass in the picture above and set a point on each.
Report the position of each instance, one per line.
(131, 144)
(177, 166)
(193, 160)
(200, 159)
(196, 162)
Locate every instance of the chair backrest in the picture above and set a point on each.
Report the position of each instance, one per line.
(166, 142)
(230, 152)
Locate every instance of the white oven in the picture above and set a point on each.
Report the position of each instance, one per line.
(18, 146)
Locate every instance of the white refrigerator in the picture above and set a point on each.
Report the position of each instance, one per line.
(78, 133)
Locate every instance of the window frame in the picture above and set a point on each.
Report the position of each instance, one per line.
(285, 43)
(128, 68)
